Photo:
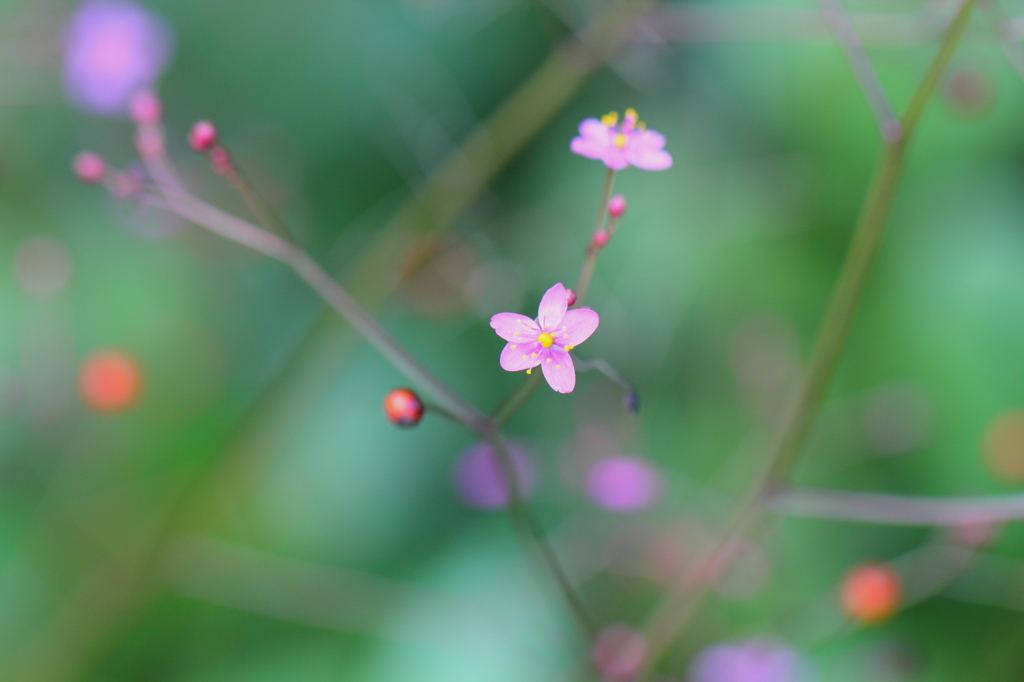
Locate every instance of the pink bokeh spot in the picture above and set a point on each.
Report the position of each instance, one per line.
(620, 145)
(480, 479)
(623, 484)
(547, 340)
(748, 661)
(112, 50)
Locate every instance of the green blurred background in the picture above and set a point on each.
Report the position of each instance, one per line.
(254, 517)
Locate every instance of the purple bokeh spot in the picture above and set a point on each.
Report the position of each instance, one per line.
(749, 661)
(112, 49)
(480, 480)
(623, 484)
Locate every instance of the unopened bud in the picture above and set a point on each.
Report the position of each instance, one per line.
(203, 136)
(89, 167)
(220, 161)
(632, 402)
(570, 297)
(145, 108)
(617, 206)
(403, 407)
(600, 238)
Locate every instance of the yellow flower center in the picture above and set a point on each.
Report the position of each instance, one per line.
(620, 141)
(545, 339)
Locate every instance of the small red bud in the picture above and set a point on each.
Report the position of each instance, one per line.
(89, 167)
(600, 238)
(570, 296)
(145, 108)
(203, 136)
(220, 161)
(617, 206)
(403, 407)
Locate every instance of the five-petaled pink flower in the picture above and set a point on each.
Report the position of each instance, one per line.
(547, 340)
(621, 145)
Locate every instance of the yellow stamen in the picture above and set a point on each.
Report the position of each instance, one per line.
(549, 359)
(545, 339)
(513, 347)
(620, 141)
(533, 355)
(530, 371)
(569, 347)
(610, 118)
(631, 113)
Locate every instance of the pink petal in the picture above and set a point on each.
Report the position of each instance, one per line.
(615, 157)
(512, 326)
(651, 160)
(649, 139)
(588, 147)
(519, 356)
(577, 326)
(591, 127)
(552, 307)
(559, 370)
(594, 138)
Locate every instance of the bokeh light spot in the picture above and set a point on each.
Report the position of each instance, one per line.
(110, 381)
(623, 484)
(1003, 445)
(871, 593)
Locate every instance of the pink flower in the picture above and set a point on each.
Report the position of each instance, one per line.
(621, 145)
(548, 340)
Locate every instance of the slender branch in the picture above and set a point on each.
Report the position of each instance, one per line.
(452, 405)
(590, 261)
(687, 593)
(530, 527)
(894, 510)
(839, 23)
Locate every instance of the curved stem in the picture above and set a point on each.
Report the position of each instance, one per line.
(686, 594)
(590, 261)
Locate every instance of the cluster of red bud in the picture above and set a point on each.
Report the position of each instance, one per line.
(146, 111)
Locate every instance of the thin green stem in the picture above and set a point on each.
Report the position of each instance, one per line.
(590, 261)
(687, 593)
(530, 527)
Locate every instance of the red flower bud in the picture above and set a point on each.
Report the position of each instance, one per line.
(617, 206)
(570, 296)
(403, 407)
(89, 167)
(600, 238)
(203, 136)
(145, 108)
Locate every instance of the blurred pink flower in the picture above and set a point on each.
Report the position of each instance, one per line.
(480, 479)
(618, 146)
(748, 661)
(548, 340)
(112, 49)
(623, 484)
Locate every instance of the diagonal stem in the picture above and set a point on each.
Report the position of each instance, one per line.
(685, 596)
(839, 23)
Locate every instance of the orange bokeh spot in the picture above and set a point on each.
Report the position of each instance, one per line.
(871, 593)
(1003, 445)
(110, 381)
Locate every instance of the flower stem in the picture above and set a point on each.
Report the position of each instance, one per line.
(685, 596)
(590, 261)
